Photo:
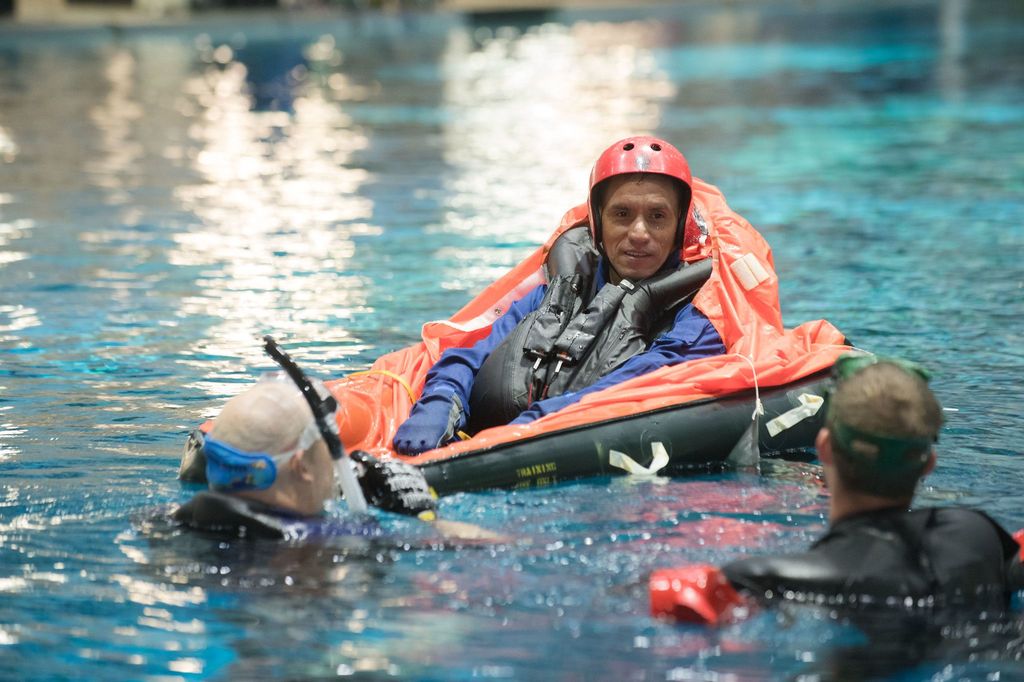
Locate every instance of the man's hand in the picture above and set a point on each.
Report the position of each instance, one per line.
(393, 485)
(432, 423)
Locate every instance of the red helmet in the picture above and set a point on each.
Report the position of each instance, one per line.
(640, 154)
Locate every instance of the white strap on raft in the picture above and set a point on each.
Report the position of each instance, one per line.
(749, 271)
(809, 406)
(758, 407)
(631, 466)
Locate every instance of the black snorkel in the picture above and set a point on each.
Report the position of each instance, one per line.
(323, 410)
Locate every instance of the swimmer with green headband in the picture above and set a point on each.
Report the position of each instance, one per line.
(879, 556)
(881, 425)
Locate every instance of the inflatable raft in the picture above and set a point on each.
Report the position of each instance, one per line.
(681, 418)
(700, 435)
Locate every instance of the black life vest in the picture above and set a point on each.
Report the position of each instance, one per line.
(577, 335)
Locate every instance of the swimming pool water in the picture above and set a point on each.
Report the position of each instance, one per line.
(169, 194)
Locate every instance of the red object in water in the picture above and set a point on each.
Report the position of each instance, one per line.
(693, 594)
(1019, 537)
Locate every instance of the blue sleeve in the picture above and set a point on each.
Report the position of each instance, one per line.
(691, 337)
(455, 371)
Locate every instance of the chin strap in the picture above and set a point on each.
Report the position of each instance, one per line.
(695, 594)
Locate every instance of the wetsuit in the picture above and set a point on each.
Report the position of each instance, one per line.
(933, 557)
(228, 515)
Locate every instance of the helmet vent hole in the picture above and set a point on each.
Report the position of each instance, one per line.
(656, 147)
(628, 146)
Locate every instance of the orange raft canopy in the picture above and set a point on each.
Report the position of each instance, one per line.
(740, 299)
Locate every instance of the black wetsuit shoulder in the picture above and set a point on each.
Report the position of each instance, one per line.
(948, 556)
(218, 513)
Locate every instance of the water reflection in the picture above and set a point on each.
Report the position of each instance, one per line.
(283, 198)
(8, 148)
(277, 206)
(116, 170)
(341, 589)
(953, 50)
(531, 111)
(11, 231)
(7, 432)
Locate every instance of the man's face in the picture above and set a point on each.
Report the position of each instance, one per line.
(638, 224)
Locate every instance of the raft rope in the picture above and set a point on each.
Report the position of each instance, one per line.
(758, 407)
(401, 380)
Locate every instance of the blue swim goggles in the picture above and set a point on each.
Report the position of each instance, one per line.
(230, 469)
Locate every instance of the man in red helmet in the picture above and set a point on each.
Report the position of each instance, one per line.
(616, 306)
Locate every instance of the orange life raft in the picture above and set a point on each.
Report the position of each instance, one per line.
(676, 418)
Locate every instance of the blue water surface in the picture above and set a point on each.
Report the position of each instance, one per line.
(170, 193)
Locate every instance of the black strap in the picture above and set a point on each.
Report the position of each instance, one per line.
(323, 408)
